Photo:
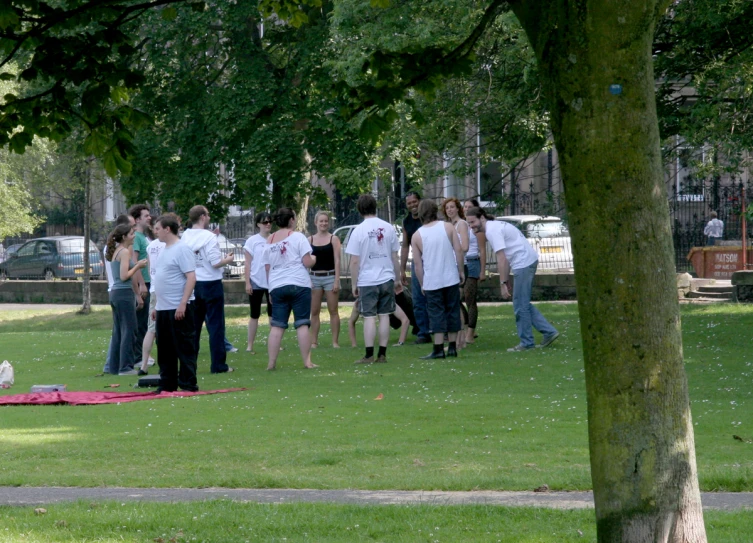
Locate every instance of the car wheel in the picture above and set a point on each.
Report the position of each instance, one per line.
(49, 275)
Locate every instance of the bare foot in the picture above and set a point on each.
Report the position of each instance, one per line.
(272, 367)
(354, 345)
(335, 346)
(311, 367)
(314, 345)
(250, 351)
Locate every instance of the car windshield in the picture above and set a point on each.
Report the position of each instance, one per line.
(548, 229)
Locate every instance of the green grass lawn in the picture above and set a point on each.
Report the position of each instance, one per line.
(224, 521)
(487, 420)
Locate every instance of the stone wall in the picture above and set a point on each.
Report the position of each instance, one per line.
(742, 286)
(560, 286)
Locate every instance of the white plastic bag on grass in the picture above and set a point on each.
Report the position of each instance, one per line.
(6, 374)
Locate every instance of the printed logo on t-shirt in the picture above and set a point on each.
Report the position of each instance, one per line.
(282, 249)
(378, 234)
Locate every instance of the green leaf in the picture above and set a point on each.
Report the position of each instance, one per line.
(169, 13)
(380, 3)
(111, 167)
(20, 141)
(8, 17)
(198, 6)
(96, 143)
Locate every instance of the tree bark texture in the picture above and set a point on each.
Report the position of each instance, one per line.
(595, 61)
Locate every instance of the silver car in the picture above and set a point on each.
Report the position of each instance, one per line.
(549, 236)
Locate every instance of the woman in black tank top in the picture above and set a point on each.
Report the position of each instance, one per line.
(325, 278)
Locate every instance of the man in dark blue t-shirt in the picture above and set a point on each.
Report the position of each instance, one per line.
(411, 223)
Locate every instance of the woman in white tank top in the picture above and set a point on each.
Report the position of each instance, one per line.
(453, 213)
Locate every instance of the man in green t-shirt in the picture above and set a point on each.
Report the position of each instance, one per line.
(143, 218)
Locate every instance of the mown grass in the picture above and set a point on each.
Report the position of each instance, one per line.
(487, 420)
(224, 521)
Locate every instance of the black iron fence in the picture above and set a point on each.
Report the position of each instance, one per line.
(690, 212)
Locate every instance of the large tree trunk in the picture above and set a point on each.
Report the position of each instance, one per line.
(595, 60)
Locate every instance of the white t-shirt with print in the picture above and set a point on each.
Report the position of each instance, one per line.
(153, 251)
(374, 241)
(285, 260)
(174, 263)
(503, 236)
(255, 246)
(206, 250)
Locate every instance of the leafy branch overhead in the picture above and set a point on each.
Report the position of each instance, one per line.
(79, 67)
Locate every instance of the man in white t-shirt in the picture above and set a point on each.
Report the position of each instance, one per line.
(210, 296)
(374, 268)
(173, 283)
(514, 252)
(153, 251)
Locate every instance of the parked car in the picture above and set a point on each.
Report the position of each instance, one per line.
(12, 249)
(343, 233)
(234, 269)
(51, 257)
(549, 236)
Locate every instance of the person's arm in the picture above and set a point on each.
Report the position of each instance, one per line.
(187, 290)
(214, 255)
(247, 272)
(125, 273)
(336, 245)
(458, 250)
(308, 260)
(707, 229)
(418, 263)
(354, 267)
(465, 241)
(503, 267)
(481, 238)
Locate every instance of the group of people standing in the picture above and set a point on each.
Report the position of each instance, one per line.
(170, 286)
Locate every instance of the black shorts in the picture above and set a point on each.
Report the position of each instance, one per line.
(443, 306)
(255, 300)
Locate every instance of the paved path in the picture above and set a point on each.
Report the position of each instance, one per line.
(25, 496)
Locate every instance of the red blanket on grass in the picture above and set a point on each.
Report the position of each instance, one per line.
(93, 398)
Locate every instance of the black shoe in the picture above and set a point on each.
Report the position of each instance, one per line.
(433, 356)
(421, 340)
(452, 353)
(142, 372)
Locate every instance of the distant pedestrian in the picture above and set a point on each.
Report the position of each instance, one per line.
(515, 253)
(411, 224)
(256, 275)
(714, 230)
(174, 282)
(288, 258)
(438, 259)
(325, 279)
(374, 268)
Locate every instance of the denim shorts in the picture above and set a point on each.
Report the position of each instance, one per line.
(289, 298)
(377, 300)
(474, 268)
(323, 282)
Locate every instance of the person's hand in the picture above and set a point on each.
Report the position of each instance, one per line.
(141, 264)
(462, 278)
(154, 315)
(482, 276)
(180, 312)
(398, 287)
(336, 286)
(216, 231)
(139, 303)
(355, 291)
(249, 289)
(142, 291)
(228, 259)
(404, 278)
(505, 292)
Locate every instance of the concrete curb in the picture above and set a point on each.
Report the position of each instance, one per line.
(28, 496)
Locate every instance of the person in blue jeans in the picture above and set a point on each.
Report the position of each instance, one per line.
(287, 259)
(411, 223)
(515, 253)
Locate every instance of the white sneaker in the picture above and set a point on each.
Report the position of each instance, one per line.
(233, 350)
(150, 362)
(131, 372)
